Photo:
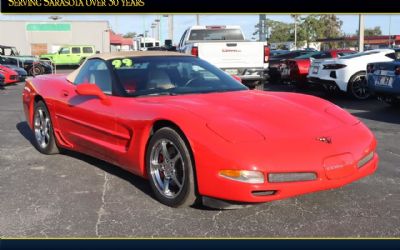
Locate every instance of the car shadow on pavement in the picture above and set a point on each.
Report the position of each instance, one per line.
(26, 131)
(111, 169)
(135, 180)
(385, 114)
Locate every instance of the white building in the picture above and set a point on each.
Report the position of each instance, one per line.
(39, 37)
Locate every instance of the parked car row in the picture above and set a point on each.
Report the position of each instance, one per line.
(32, 65)
(373, 72)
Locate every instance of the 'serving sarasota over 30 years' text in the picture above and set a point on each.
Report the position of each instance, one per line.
(75, 3)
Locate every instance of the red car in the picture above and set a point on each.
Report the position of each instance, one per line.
(296, 70)
(193, 131)
(10, 76)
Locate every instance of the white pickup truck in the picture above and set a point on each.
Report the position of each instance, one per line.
(226, 48)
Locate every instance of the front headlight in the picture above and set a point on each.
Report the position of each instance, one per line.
(291, 177)
(248, 176)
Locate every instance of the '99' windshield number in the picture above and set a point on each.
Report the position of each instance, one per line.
(118, 63)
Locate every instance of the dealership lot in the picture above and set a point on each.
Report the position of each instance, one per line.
(72, 195)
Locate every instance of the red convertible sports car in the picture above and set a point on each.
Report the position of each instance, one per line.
(193, 131)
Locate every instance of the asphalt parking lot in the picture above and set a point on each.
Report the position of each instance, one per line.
(72, 195)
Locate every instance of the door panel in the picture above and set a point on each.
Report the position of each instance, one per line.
(87, 123)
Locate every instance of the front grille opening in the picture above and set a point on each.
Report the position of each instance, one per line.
(263, 192)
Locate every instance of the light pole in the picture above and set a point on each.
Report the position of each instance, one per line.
(361, 33)
(294, 16)
(170, 26)
(262, 27)
(157, 22)
(197, 19)
(153, 28)
(390, 25)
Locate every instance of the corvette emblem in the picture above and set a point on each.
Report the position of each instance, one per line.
(324, 139)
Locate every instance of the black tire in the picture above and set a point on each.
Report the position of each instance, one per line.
(162, 171)
(36, 70)
(44, 139)
(358, 87)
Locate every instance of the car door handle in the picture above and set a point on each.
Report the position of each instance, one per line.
(65, 93)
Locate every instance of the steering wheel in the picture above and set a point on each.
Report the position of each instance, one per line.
(193, 80)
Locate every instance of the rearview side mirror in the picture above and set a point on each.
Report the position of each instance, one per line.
(90, 89)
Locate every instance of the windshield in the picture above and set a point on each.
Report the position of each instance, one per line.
(171, 75)
(216, 34)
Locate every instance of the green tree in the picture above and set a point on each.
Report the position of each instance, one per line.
(332, 29)
(376, 31)
(130, 35)
(315, 27)
(280, 31)
(309, 29)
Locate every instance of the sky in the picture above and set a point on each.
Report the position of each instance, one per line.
(138, 23)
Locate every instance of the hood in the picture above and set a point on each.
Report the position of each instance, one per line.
(7, 70)
(257, 115)
(19, 70)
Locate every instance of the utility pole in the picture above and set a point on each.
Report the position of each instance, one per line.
(295, 17)
(262, 27)
(295, 33)
(390, 26)
(361, 33)
(171, 27)
(197, 19)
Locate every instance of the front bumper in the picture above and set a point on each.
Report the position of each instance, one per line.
(11, 79)
(286, 155)
(240, 193)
